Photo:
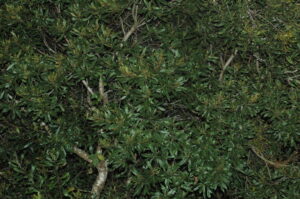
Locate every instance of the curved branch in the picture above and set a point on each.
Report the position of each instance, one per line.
(276, 164)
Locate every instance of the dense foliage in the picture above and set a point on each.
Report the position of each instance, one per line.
(203, 98)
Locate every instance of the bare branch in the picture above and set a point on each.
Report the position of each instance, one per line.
(294, 77)
(251, 14)
(102, 165)
(122, 26)
(85, 83)
(136, 23)
(134, 13)
(101, 168)
(141, 23)
(46, 44)
(268, 162)
(101, 178)
(222, 61)
(82, 154)
(102, 93)
(257, 66)
(129, 33)
(226, 65)
(294, 71)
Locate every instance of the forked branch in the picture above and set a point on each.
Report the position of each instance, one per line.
(102, 165)
(136, 23)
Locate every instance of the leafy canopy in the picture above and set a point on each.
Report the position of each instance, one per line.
(180, 122)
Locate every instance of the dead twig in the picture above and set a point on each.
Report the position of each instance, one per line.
(224, 66)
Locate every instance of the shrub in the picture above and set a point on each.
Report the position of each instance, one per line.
(169, 99)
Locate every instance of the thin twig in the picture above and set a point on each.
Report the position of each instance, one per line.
(257, 66)
(41, 51)
(129, 33)
(294, 77)
(294, 71)
(89, 91)
(271, 163)
(226, 65)
(85, 83)
(258, 59)
(250, 13)
(222, 61)
(290, 79)
(122, 26)
(58, 9)
(102, 93)
(46, 44)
